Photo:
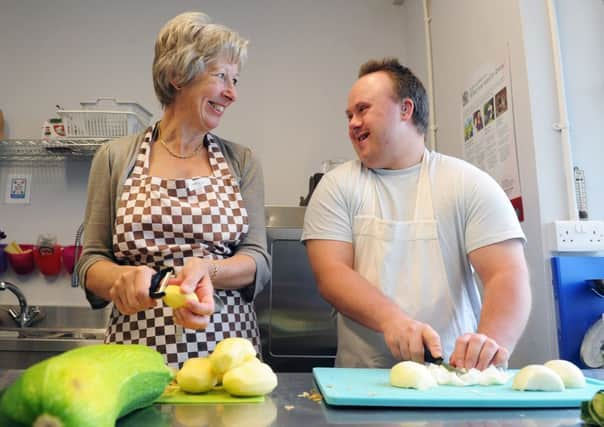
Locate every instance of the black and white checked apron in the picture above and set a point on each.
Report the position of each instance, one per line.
(162, 222)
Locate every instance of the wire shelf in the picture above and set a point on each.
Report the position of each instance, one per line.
(32, 150)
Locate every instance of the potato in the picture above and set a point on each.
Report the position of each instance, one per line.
(196, 375)
(251, 378)
(175, 298)
(538, 378)
(409, 374)
(571, 375)
(231, 352)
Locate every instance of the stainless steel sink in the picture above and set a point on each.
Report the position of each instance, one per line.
(58, 329)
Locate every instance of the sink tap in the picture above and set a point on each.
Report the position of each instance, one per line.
(27, 315)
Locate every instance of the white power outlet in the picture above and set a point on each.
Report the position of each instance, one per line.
(578, 236)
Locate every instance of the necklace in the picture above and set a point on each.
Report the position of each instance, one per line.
(172, 153)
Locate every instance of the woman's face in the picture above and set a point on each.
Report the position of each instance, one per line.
(208, 96)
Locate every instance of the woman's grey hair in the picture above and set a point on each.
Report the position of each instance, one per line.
(185, 46)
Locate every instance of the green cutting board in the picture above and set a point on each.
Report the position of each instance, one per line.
(174, 395)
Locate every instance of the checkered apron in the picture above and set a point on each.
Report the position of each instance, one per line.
(162, 222)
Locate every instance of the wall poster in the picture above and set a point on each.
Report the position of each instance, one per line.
(488, 127)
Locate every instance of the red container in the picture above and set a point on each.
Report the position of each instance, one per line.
(69, 257)
(48, 260)
(22, 263)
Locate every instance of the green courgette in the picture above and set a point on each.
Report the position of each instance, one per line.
(592, 411)
(88, 386)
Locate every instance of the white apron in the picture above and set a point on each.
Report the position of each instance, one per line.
(404, 260)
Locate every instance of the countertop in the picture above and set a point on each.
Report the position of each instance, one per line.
(289, 406)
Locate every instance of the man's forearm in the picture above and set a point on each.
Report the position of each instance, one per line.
(355, 297)
(506, 308)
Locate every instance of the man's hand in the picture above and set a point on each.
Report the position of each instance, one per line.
(407, 340)
(478, 351)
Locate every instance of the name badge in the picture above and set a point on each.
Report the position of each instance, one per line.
(198, 184)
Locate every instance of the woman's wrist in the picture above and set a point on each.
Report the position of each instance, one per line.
(214, 269)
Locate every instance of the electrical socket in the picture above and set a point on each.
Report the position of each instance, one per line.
(578, 236)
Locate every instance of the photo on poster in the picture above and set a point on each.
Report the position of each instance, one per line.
(501, 102)
(478, 120)
(467, 129)
(18, 189)
(488, 111)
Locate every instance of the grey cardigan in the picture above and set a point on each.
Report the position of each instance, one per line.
(113, 163)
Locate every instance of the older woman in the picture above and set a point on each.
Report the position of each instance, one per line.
(179, 196)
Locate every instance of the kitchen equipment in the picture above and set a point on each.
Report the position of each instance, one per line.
(3, 258)
(104, 118)
(69, 257)
(22, 263)
(313, 181)
(160, 280)
(578, 306)
(371, 387)
(592, 347)
(173, 395)
(47, 255)
(297, 326)
(439, 361)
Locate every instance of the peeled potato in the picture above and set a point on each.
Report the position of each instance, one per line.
(409, 374)
(231, 352)
(538, 378)
(571, 375)
(251, 378)
(196, 375)
(175, 298)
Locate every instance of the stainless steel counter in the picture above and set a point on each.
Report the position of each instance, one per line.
(285, 407)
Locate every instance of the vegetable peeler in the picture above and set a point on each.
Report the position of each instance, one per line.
(160, 280)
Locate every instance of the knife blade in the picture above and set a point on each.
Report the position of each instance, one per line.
(159, 282)
(429, 358)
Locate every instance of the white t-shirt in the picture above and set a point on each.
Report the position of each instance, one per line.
(471, 209)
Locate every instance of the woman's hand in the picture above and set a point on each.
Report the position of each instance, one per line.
(195, 277)
(130, 292)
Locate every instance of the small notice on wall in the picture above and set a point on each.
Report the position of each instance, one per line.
(488, 124)
(18, 188)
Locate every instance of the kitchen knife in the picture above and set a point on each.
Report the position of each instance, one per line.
(160, 280)
(440, 361)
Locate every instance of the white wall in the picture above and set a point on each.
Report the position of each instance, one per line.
(303, 57)
(468, 33)
(581, 26)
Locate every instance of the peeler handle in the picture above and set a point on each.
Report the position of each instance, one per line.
(156, 280)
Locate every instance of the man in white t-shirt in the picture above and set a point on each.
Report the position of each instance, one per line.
(394, 240)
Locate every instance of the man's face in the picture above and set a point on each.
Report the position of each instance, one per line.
(374, 119)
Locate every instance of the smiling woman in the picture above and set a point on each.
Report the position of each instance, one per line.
(181, 197)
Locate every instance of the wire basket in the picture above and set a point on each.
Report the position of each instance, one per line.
(97, 120)
(100, 124)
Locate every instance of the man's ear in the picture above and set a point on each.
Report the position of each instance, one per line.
(407, 108)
